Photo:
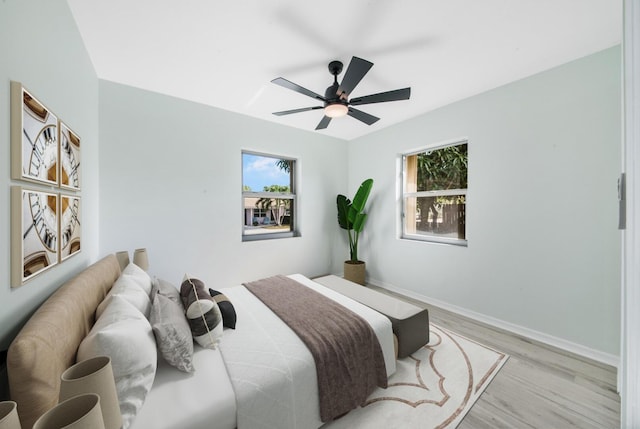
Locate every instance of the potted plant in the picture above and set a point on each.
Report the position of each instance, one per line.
(351, 216)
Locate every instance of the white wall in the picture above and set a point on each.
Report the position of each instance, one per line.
(544, 251)
(171, 181)
(40, 46)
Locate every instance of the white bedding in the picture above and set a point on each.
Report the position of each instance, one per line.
(267, 379)
(272, 371)
(203, 400)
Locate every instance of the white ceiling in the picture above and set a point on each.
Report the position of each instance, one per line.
(225, 54)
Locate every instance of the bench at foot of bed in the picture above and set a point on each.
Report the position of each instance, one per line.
(410, 322)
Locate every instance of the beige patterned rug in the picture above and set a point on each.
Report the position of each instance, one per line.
(432, 388)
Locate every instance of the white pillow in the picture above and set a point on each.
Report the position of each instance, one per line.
(129, 289)
(126, 336)
(140, 276)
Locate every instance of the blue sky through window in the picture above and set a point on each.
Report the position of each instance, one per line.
(259, 171)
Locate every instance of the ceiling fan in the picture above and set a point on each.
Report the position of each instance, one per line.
(336, 97)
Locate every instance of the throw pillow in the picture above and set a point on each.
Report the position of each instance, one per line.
(125, 335)
(226, 308)
(138, 275)
(166, 289)
(129, 289)
(172, 332)
(205, 318)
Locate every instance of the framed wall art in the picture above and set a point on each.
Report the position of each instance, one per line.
(69, 226)
(69, 158)
(34, 233)
(34, 139)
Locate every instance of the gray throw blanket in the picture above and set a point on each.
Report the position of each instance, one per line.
(348, 356)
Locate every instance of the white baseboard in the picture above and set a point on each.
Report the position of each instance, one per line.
(578, 349)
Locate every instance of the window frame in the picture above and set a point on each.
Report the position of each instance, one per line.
(406, 193)
(292, 196)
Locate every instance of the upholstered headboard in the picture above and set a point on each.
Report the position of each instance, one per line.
(47, 345)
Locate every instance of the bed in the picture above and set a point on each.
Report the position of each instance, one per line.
(260, 376)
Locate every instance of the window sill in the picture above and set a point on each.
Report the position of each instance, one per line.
(437, 240)
(269, 236)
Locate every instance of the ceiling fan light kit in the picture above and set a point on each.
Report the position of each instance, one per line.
(336, 110)
(336, 97)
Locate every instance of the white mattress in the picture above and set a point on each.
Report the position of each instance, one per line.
(203, 400)
(267, 379)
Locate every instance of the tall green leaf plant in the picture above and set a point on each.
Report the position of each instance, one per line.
(351, 215)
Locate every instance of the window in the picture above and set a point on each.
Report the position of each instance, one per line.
(435, 194)
(268, 195)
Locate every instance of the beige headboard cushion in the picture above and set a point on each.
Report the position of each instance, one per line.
(47, 344)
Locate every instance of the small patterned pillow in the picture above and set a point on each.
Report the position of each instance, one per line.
(172, 332)
(205, 318)
(226, 308)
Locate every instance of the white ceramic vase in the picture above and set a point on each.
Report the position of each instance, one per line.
(9, 415)
(79, 412)
(94, 375)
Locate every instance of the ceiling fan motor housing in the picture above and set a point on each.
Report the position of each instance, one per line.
(332, 97)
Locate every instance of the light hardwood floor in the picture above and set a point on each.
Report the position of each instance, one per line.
(539, 387)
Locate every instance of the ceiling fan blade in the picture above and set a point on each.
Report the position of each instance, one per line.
(354, 74)
(324, 123)
(362, 116)
(303, 109)
(297, 88)
(381, 97)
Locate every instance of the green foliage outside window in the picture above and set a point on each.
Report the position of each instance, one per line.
(442, 169)
(439, 177)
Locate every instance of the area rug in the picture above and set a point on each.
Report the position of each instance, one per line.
(432, 388)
